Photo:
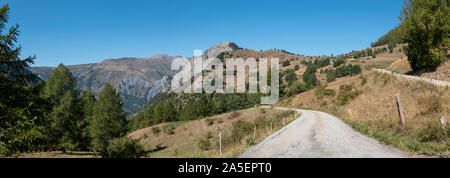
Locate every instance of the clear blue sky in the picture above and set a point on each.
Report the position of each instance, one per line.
(87, 31)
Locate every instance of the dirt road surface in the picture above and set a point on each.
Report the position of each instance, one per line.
(319, 135)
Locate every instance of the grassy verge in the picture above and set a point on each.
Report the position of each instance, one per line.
(199, 138)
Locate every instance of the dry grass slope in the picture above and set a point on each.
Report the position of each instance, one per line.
(423, 106)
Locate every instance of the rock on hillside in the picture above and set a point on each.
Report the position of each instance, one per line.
(219, 48)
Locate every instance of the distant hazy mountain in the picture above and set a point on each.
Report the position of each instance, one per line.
(137, 80)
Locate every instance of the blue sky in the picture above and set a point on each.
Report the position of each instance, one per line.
(88, 31)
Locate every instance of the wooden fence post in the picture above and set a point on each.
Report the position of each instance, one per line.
(271, 126)
(220, 143)
(368, 114)
(254, 133)
(443, 122)
(400, 110)
(353, 114)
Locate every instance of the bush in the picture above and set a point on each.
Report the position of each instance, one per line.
(204, 144)
(433, 132)
(297, 67)
(286, 63)
(124, 148)
(220, 121)
(322, 92)
(339, 62)
(156, 130)
(169, 129)
(209, 121)
(347, 93)
(240, 130)
(331, 75)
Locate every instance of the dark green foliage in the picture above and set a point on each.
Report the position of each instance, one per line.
(297, 67)
(87, 103)
(156, 130)
(124, 148)
(286, 63)
(339, 62)
(201, 106)
(108, 121)
(309, 77)
(22, 111)
(331, 75)
(394, 36)
(60, 81)
(66, 119)
(347, 70)
(426, 30)
(68, 129)
(290, 77)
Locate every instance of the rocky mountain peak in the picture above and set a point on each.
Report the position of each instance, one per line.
(219, 48)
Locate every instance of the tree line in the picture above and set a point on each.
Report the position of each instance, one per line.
(54, 115)
(192, 106)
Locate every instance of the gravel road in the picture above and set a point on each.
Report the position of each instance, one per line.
(319, 135)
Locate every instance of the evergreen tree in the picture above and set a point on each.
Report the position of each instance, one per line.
(87, 103)
(60, 81)
(65, 117)
(21, 120)
(65, 124)
(426, 29)
(108, 121)
(169, 113)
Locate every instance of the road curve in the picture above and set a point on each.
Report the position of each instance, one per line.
(319, 135)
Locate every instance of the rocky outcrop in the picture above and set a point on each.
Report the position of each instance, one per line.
(219, 48)
(137, 92)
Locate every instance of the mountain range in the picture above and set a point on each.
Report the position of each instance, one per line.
(138, 80)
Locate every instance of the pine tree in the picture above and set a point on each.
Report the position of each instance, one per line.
(426, 30)
(65, 124)
(61, 92)
(168, 113)
(60, 81)
(87, 103)
(108, 121)
(20, 125)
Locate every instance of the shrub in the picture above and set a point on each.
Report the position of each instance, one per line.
(124, 148)
(433, 132)
(297, 67)
(220, 121)
(156, 130)
(240, 130)
(347, 93)
(286, 63)
(339, 62)
(169, 129)
(249, 142)
(209, 121)
(204, 144)
(321, 92)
